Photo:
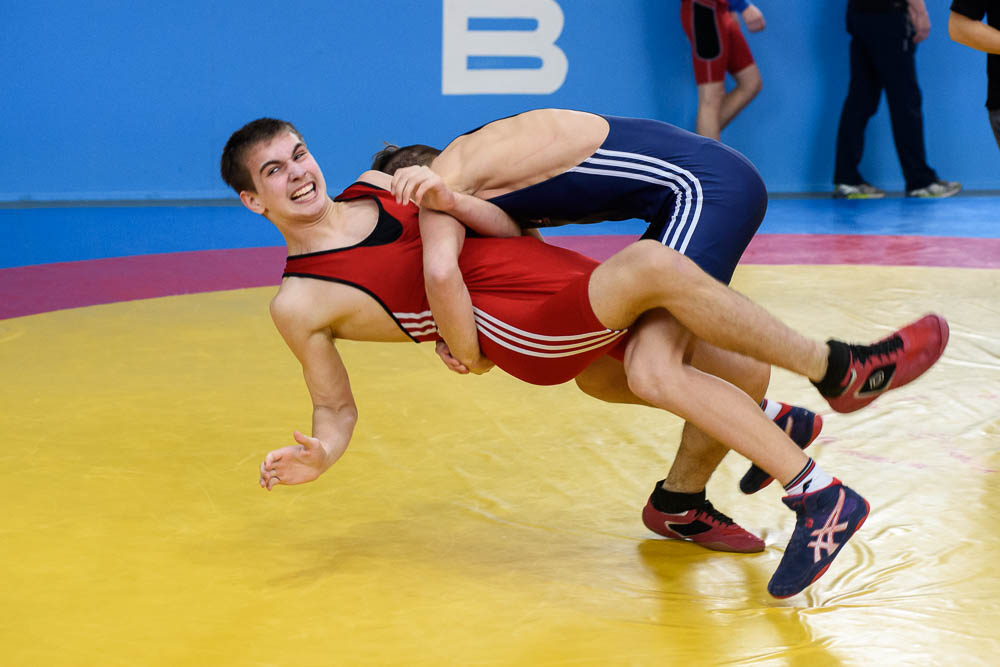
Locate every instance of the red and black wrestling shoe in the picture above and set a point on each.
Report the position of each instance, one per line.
(887, 364)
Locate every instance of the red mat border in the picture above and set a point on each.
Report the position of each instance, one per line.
(29, 290)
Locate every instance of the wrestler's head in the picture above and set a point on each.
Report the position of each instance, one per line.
(391, 158)
(266, 162)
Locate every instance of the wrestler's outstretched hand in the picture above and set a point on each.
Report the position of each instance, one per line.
(294, 464)
(424, 187)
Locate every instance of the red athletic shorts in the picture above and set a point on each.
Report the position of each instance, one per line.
(717, 43)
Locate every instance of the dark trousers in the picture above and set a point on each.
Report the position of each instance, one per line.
(882, 58)
(995, 124)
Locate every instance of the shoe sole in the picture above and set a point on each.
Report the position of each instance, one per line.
(819, 574)
(877, 194)
(859, 196)
(929, 196)
(722, 546)
(713, 546)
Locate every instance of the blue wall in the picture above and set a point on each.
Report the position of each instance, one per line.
(110, 100)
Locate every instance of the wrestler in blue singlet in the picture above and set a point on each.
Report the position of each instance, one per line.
(701, 198)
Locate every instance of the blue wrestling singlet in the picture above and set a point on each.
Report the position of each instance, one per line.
(701, 198)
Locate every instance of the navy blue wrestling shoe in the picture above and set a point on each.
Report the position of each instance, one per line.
(826, 519)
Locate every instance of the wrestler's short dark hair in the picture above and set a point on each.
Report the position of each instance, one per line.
(233, 167)
(393, 157)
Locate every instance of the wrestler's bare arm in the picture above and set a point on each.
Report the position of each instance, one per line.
(334, 410)
(428, 190)
(484, 217)
(442, 238)
(517, 152)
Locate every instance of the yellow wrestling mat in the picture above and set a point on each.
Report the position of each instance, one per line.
(473, 521)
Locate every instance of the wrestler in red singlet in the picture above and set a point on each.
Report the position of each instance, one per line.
(532, 308)
(717, 44)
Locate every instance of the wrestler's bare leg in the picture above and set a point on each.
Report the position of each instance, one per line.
(697, 458)
(698, 455)
(657, 374)
(647, 275)
(654, 365)
(605, 380)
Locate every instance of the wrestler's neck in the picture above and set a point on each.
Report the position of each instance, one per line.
(330, 228)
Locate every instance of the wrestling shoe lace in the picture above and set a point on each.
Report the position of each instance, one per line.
(715, 515)
(885, 348)
(887, 364)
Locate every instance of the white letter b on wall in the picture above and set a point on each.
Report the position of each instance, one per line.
(479, 60)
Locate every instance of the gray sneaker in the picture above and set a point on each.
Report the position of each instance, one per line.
(937, 190)
(861, 191)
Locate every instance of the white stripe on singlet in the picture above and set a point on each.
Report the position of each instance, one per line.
(513, 338)
(516, 339)
(423, 325)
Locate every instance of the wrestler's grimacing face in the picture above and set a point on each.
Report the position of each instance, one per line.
(289, 183)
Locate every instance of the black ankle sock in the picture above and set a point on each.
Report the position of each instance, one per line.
(672, 502)
(838, 363)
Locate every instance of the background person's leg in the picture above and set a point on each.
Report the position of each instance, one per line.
(863, 94)
(748, 85)
(893, 55)
(995, 124)
(710, 103)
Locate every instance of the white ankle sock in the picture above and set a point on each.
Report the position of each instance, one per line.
(770, 408)
(810, 478)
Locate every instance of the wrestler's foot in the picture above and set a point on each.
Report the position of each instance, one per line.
(890, 363)
(826, 519)
(703, 525)
(801, 425)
